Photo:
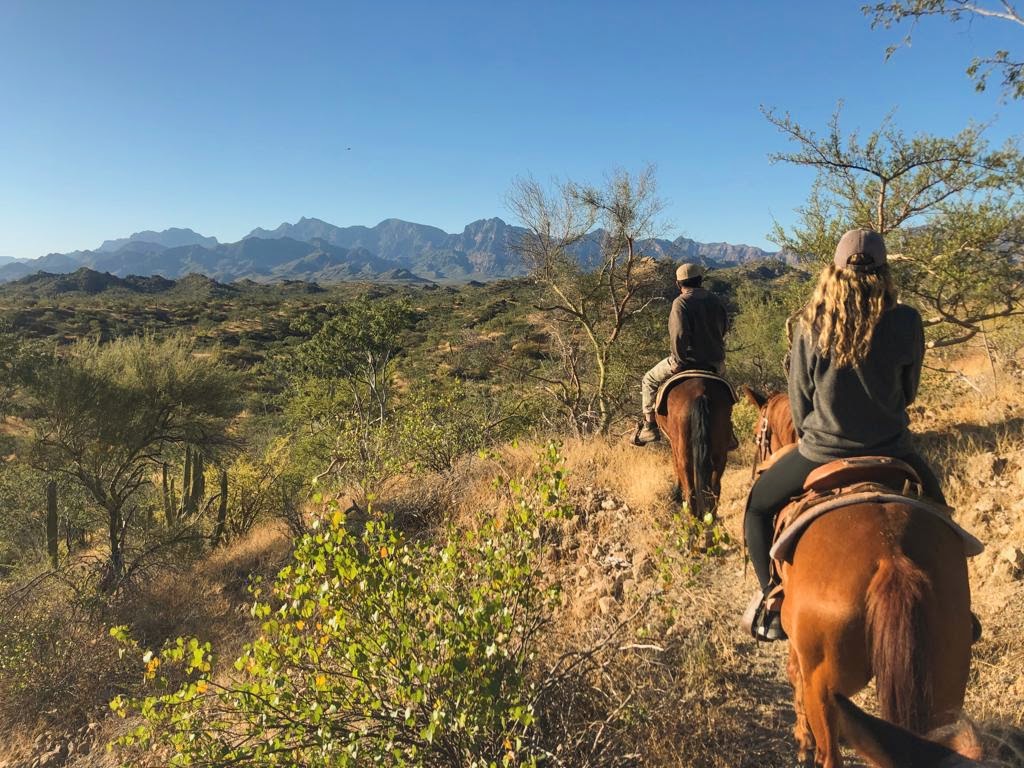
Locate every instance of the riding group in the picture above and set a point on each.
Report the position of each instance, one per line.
(860, 564)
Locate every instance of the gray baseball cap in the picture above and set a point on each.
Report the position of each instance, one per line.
(860, 249)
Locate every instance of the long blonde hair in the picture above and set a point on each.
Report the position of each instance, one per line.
(844, 310)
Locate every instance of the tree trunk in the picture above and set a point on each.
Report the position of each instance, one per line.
(51, 523)
(115, 530)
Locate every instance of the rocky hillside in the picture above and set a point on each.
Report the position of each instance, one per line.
(313, 249)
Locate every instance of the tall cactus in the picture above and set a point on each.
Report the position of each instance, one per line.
(51, 523)
(198, 483)
(167, 496)
(222, 509)
(186, 484)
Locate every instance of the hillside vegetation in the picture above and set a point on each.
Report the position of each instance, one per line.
(363, 510)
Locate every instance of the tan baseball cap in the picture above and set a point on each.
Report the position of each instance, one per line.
(687, 271)
(860, 249)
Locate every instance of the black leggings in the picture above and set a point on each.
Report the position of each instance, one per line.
(783, 481)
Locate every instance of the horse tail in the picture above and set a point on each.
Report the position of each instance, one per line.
(898, 637)
(700, 452)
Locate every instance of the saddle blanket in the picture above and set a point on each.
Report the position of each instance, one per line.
(785, 544)
(660, 406)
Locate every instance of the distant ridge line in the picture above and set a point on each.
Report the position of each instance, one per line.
(315, 250)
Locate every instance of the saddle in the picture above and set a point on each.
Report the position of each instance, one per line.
(661, 401)
(842, 483)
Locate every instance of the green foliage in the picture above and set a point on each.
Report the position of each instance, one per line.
(1011, 71)
(758, 345)
(107, 415)
(441, 423)
(375, 649)
(950, 210)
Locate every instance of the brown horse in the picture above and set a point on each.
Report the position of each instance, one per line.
(774, 427)
(876, 589)
(697, 420)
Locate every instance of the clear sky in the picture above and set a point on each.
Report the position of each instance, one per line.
(226, 115)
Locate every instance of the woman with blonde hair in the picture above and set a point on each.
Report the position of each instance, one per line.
(855, 366)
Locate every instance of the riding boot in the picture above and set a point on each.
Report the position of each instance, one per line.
(647, 431)
(762, 618)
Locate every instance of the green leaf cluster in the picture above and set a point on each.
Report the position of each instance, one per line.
(375, 649)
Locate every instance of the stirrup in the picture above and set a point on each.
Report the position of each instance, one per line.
(762, 618)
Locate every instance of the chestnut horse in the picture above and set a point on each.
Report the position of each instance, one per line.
(875, 589)
(698, 423)
(774, 427)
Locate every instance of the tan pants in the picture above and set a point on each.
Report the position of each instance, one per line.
(657, 376)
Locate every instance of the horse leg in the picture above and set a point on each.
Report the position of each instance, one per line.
(801, 731)
(677, 493)
(821, 716)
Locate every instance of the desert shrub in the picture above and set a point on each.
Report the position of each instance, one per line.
(383, 650)
(261, 486)
(57, 664)
(757, 343)
(744, 419)
(440, 424)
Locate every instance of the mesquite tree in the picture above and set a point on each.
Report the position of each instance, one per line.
(108, 416)
(341, 383)
(950, 209)
(584, 245)
(1009, 67)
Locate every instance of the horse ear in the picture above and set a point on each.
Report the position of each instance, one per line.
(858, 729)
(888, 745)
(754, 397)
(961, 737)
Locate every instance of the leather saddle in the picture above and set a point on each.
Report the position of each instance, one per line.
(864, 479)
(661, 401)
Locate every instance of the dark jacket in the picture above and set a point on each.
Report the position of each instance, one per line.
(860, 410)
(696, 327)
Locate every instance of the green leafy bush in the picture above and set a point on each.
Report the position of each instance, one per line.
(375, 649)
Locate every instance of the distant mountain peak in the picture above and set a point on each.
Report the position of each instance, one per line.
(316, 250)
(168, 238)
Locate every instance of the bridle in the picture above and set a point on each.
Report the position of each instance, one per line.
(762, 439)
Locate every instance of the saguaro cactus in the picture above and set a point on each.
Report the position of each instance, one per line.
(222, 509)
(51, 522)
(170, 511)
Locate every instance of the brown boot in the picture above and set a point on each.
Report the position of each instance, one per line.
(647, 433)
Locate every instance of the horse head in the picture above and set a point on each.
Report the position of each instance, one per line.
(774, 427)
(889, 746)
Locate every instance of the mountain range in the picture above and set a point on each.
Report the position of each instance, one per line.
(315, 250)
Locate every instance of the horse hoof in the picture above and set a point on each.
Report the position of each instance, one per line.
(677, 494)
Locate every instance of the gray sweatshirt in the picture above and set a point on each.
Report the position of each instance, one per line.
(696, 324)
(859, 410)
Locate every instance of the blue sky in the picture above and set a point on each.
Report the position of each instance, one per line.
(223, 116)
